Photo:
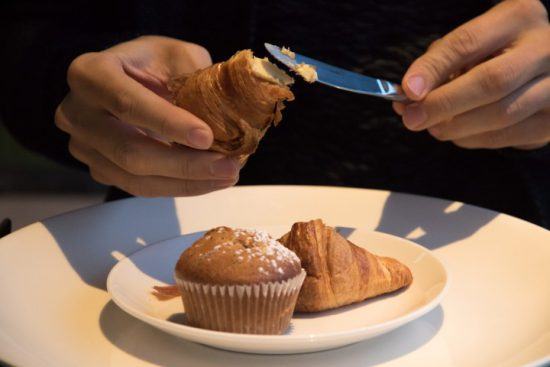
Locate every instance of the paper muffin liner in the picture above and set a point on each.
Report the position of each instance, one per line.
(264, 308)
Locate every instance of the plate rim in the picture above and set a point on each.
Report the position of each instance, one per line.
(222, 335)
(502, 222)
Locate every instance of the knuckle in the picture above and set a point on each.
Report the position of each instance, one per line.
(122, 105)
(462, 42)
(441, 133)
(58, 116)
(72, 145)
(79, 68)
(124, 154)
(73, 149)
(186, 169)
(434, 65)
(467, 143)
(443, 104)
(98, 176)
(530, 9)
(148, 37)
(496, 80)
(61, 120)
(197, 51)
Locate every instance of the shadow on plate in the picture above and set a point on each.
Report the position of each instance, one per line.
(105, 242)
(431, 222)
(149, 344)
(178, 318)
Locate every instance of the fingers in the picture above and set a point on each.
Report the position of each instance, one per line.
(137, 153)
(470, 43)
(483, 84)
(100, 79)
(531, 146)
(105, 172)
(118, 104)
(398, 107)
(530, 133)
(521, 104)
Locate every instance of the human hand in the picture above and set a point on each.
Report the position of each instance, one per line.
(487, 83)
(120, 120)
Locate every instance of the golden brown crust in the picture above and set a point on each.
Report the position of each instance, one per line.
(338, 272)
(224, 256)
(238, 105)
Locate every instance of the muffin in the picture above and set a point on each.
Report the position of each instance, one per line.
(240, 281)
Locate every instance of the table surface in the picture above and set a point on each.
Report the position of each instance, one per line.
(496, 311)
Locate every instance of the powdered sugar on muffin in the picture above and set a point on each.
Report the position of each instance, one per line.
(237, 256)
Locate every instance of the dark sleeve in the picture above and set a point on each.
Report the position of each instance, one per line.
(533, 166)
(39, 40)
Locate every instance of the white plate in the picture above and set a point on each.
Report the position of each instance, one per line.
(55, 310)
(131, 281)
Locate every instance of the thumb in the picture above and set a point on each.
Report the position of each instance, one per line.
(466, 45)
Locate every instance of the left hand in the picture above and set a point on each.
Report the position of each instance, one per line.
(487, 83)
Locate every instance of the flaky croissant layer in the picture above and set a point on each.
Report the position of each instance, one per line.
(340, 273)
(237, 101)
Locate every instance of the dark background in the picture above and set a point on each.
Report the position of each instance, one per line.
(33, 187)
(40, 41)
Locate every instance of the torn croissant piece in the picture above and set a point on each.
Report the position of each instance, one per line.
(338, 272)
(239, 99)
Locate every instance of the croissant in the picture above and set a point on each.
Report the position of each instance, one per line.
(338, 272)
(239, 99)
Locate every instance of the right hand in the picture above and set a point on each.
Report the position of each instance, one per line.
(118, 103)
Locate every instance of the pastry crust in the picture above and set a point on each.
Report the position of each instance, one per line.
(338, 272)
(236, 99)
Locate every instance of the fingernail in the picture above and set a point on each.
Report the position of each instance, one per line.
(199, 138)
(224, 168)
(414, 116)
(417, 85)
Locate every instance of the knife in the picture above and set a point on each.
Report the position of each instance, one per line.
(341, 78)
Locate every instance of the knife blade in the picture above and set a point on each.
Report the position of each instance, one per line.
(341, 78)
